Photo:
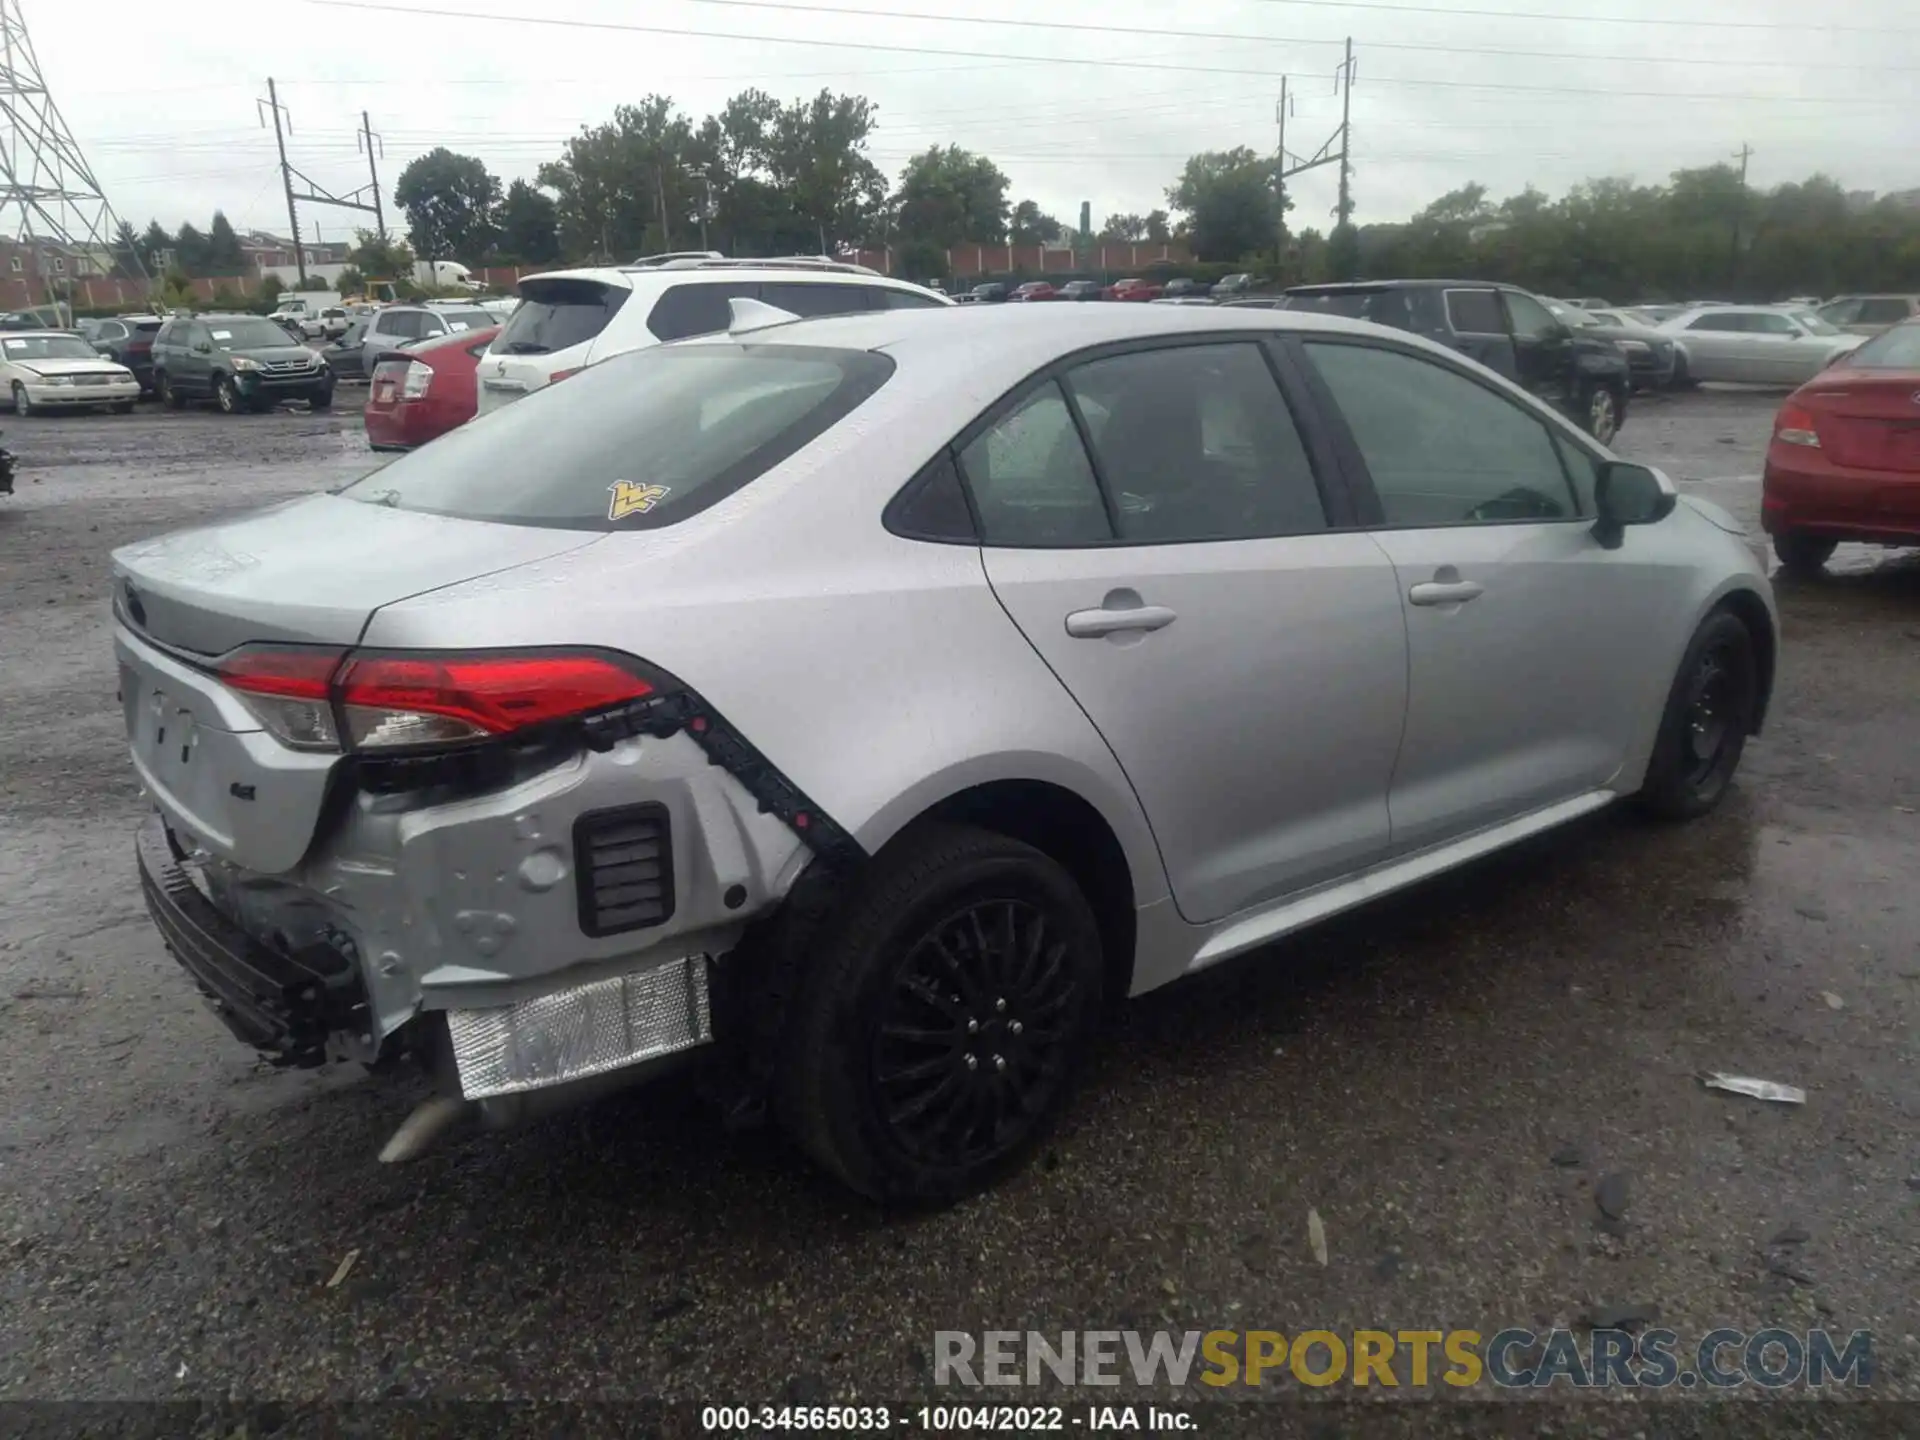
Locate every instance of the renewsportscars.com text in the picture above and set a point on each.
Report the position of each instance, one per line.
(1508, 1359)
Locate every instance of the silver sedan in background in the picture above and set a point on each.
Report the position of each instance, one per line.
(1754, 344)
(856, 703)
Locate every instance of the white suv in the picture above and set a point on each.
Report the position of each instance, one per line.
(570, 318)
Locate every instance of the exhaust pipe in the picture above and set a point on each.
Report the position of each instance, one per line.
(430, 1119)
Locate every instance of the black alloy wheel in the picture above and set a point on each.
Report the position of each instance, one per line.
(942, 1015)
(971, 1045)
(1710, 713)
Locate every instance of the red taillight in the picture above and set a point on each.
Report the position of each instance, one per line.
(288, 690)
(559, 375)
(1794, 426)
(402, 699)
(421, 699)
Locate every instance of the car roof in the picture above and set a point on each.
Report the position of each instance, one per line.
(1020, 338)
(632, 276)
(42, 334)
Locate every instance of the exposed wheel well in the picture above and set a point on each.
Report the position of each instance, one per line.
(1749, 610)
(1062, 825)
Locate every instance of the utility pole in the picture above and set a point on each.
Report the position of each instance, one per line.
(1346, 135)
(1739, 208)
(368, 138)
(272, 102)
(1280, 174)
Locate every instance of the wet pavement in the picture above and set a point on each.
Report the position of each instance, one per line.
(1448, 1080)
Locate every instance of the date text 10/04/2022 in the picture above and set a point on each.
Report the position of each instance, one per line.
(1012, 1419)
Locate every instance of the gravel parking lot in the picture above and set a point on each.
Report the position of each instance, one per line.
(1446, 1081)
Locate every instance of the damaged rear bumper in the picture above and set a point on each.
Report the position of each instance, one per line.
(284, 1005)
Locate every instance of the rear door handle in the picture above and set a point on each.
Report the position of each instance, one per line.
(1092, 624)
(1445, 592)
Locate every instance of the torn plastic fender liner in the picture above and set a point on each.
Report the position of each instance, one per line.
(673, 711)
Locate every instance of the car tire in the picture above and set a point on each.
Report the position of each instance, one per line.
(22, 406)
(1801, 555)
(906, 1089)
(1710, 712)
(1682, 375)
(1602, 411)
(321, 401)
(226, 395)
(170, 397)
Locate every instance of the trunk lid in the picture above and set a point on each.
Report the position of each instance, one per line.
(1867, 420)
(312, 571)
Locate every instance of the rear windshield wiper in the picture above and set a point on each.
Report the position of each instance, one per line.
(526, 347)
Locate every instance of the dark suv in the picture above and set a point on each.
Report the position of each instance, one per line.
(240, 362)
(126, 340)
(1505, 329)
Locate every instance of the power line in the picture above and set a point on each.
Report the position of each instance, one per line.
(625, 27)
(1186, 34)
(1799, 27)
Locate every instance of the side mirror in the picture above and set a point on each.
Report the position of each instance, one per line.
(1628, 494)
(203, 347)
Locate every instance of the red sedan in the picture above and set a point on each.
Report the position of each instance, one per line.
(1132, 290)
(426, 391)
(1844, 463)
(1035, 290)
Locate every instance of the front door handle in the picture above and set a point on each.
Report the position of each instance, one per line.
(1445, 592)
(1092, 624)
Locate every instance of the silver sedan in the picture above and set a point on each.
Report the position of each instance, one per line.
(1754, 344)
(854, 703)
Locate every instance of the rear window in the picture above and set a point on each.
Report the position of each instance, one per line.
(467, 319)
(1895, 349)
(633, 443)
(556, 314)
(145, 327)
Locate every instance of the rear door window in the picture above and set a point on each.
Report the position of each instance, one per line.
(903, 300)
(1475, 312)
(1197, 443)
(1881, 312)
(556, 314)
(636, 442)
(1031, 480)
(695, 307)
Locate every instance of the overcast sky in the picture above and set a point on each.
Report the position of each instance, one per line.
(163, 105)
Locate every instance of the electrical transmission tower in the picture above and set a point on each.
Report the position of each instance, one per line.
(47, 191)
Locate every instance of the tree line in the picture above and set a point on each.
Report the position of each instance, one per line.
(765, 177)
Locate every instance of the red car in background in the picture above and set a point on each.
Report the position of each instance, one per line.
(1132, 290)
(1035, 290)
(1844, 462)
(425, 390)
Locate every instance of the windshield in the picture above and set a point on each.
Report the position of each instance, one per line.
(246, 334)
(49, 347)
(1814, 323)
(466, 319)
(636, 442)
(1895, 349)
